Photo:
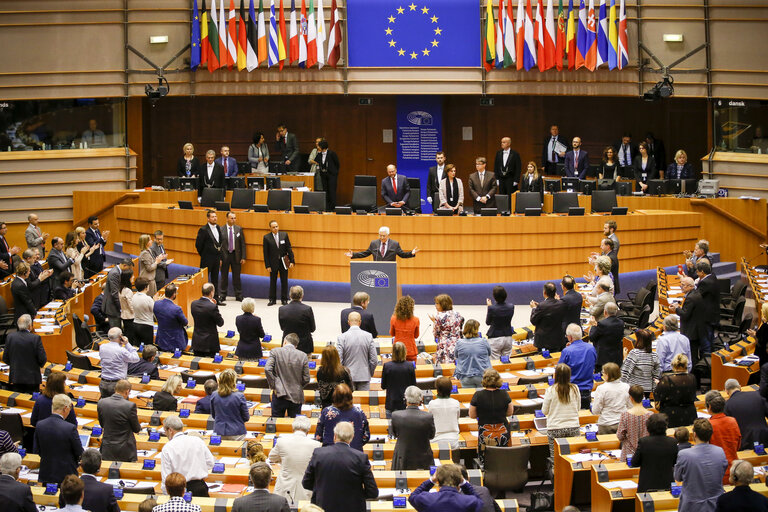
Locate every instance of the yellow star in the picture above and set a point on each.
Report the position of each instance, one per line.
(401, 52)
(391, 19)
(392, 42)
(425, 52)
(388, 31)
(425, 10)
(438, 31)
(434, 42)
(412, 7)
(414, 55)
(400, 10)
(434, 19)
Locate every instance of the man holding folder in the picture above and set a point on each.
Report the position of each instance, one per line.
(278, 258)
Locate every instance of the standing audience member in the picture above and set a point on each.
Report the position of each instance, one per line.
(413, 429)
(34, 236)
(682, 436)
(287, 373)
(632, 423)
(572, 300)
(64, 291)
(206, 317)
(671, 343)
(358, 353)
(203, 406)
(115, 357)
(330, 374)
(446, 411)
(655, 455)
(447, 328)
(604, 296)
(232, 257)
(693, 318)
(277, 246)
(156, 248)
(143, 311)
(25, 355)
(343, 410)
(298, 318)
(701, 469)
(120, 421)
(260, 499)
(208, 240)
(251, 332)
(54, 385)
(607, 335)
(293, 453)
(127, 314)
(14, 495)
(611, 399)
(176, 486)
(171, 322)
(499, 320)
(185, 454)
(57, 261)
(491, 406)
(561, 406)
(72, 494)
(97, 496)
(146, 365)
(547, 317)
(57, 443)
(641, 364)
(164, 400)
(404, 326)
(228, 408)
(742, 497)
(77, 252)
(473, 356)
(112, 285)
(750, 411)
(580, 358)
(149, 263)
(360, 302)
(676, 393)
(725, 430)
(455, 494)
(23, 287)
(396, 375)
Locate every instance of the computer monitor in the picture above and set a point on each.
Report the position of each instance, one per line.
(656, 187)
(570, 184)
(185, 205)
(171, 182)
(587, 186)
(222, 206)
(575, 211)
(188, 183)
(533, 212)
(394, 211)
(257, 183)
(243, 167)
(552, 185)
(689, 186)
(489, 212)
(673, 187)
(273, 182)
(623, 188)
(277, 168)
(619, 210)
(444, 212)
(627, 171)
(261, 208)
(605, 184)
(233, 182)
(343, 210)
(300, 208)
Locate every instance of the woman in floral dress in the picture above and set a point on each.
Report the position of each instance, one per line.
(448, 324)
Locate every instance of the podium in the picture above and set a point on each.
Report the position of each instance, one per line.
(379, 280)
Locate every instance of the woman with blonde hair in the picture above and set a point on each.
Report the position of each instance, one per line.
(404, 326)
(531, 180)
(448, 324)
(228, 408)
(148, 263)
(188, 165)
(77, 253)
(680, 169)
(254, 452)
(561, 406)
(164, 400)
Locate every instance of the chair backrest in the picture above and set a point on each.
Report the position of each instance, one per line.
(243, 198)
(3, 306)
(738, 310)
(651, 286)
(83, 337)
(645, 316)
(279, 200)
(724, 285)
(292, 184)
(254, 381)
(198, 376)
(364, 198)
(623, 188)
(503, 203)
(603, 200)
(78, 361)
(210, 196)
(525, 200)
(746, 322)
(364, 180)
(12, 423)
(414, 200)
(562, 201)
(641, 299)
(738, 290)
(506, 467)
(315, 201)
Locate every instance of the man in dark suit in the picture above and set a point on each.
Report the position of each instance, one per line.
(227, 163)
(435, 176)
(750, 411)
(14, 495)
(573, 302)
(119, 421)
(146, 364)
(208, 245)
(38, 283)
(608, 248)
(288, 148)
(59, 262)
(607, 335)
(710, 294)
(25, 355)
(547, 317)
(111, 304)
(94, 236)
(97, 496)
(157, 248)
(232, 256)
(550, 157)
(576, 161)
(171, 322)
(395, 189)
(206, 317)
(296, 317)
(383, 249)
(260, 499)
(203, 406)
(57, 442)
(656, 149)
(360, 303)
(23, 304)
(693, 319)
(64, 291)
(626, 150)
(506, 167)
(482, 186)
(339, 476)
(277, 245)
(211, 176)
(7, 252)
(413, 429)
(455, 494)
(328, 164)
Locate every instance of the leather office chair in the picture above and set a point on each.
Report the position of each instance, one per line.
(210, 196)
(279, 200)
(503, 203)
(315, 201)
(562, 201)
(525, 200)
(79, 361)
(603, 201)
(506, 467)
(364, 198)
(243, 198)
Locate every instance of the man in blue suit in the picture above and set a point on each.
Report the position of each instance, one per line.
(97, 496)
(395, 189)
(227, 162)
(93, 236)
(576, 161)
(14, 495)
(455, 494)
(171, 322)
(57, 442)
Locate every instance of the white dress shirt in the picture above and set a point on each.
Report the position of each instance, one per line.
(209, 169)
(609, 401)
(187, 455)
(505, 156)
(214, 231)
(446, 413)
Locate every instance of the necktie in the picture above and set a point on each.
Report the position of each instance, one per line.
(383, 249)
(162, 250)
(38, 231)
(554, 154)
(226, 166)
(394, 184)
(231, 239)
(626, 155)
(482, 176)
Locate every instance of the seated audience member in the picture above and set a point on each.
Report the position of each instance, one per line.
(185, 454)
(14, 495)
(260, 499)
(25, 355)
(607, 335)
(176, 486)
(72, 494)
(456, 494)
(725, 430)
(701, 469)
(499, 320)
(473, 356)
(413, 429)
(641, 364)
(293, 452)
(94, 137)
(742, 497)
(330, 374)
(54, 385)
(491, 406)
(632, 423)
(203, 406)
(580, 358)
(228, 408)
(251, 332)
(655, 455)
(446, 411)
(343, 410)
(680, 169)
(97, 496)
(146, 364)
(611, 399)
(64, 291)
(396, 375)
(561, 406)
(360, 302)
(671, 343)
(683, 438)
(750, 411)
(676, 393)
(164, 400)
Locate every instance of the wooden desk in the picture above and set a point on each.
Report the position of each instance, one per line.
(604, 495)
(189, 289)
(566, 467)
(724, 368)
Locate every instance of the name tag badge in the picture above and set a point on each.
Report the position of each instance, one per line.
(282, 241)
(644, 176)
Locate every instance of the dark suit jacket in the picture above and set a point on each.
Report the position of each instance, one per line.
(650, 169)
(573, 302)
(367, 324)
(289, 149)
(547, 317)
(15, 496)
(111, 304)
(63, 293)
(499, 318)
(6, 257)
(693, 317)
(686, 174)
(206, 317)
(331, 165)
(231, 168)
(656, 457)
(607, 338)
(117, 416)
(207, 246)
(239, 236)
(25, 355)
(203, 406)
(170, 325)
(536, 185)
(59, 447)
(164, 401)
(545, 150)
(59, 262)
(97, 496)
(22, 299)
(298, 318)
(96, 260)
(395, 378)
(615, 271)
(413, 429)
(433, 186)
(708, 289)
(511, 171)
(578, 169)
(740, 499)
(251, 332)
(340, 478)
(142, 367)
(391, 254)
(488, 188)
(215, 181)
(272, 253)
(388, 192)
(161, 273)
(659, 153)
(261, 500)
(750, 411)
(181, 167)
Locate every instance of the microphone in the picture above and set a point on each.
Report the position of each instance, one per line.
(762, 251)
(424, 332)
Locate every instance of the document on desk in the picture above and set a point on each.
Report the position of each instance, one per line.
(527, 402)
(45, 328)
(86, 388)
(621, 484)
(581, 457)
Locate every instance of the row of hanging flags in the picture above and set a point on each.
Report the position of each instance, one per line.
(585, 37)
(222, 39)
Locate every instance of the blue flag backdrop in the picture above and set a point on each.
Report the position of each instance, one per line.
(404, 33)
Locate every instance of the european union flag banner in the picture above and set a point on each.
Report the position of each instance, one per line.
(406, 33)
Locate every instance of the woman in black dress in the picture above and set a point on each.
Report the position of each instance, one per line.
(331, 374)
(676, 393)
(531, 180)
(188, 165)
(491, 406)
(656, 456)
(396, 376)
(645, 167)
(164, 400)
(609, 168)
(251, 332)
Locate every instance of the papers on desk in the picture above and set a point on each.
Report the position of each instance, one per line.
(700, 414)
(382, 463)
(146, 453)
(87, 388)
(230, 461)
(620, 484)
(84, 421)
(586, 457)
(53, 305)
(528, 402)
(45, 328)
(13, 410)
(306, 407)
(518, 434)
(92, 354)
(145, 394)
(171, 368)
(46, 321)
(375, 380)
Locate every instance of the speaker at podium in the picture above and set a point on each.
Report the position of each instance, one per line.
(379, 280)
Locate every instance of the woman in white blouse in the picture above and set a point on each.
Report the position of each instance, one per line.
(71, 242)
(445, 410)
(610, 399)
(451, 190)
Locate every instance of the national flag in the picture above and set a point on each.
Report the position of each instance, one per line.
(541, 57)
(262, 48)
(510, 55)
(273, 50)
(520, 34)
(602, 36)
(590, 59)
(242, 39)
(303, 36)
(613, 37)
(623, 54)
(321, 38)
(194, 38)
(570, 36)
(213, 39)
(549, 36)
(560, 39)
(489, 43)
(293, 39)
(232, 36)
(251, 57)
(223, 52)
(529, 50)
(334, 36)
(282, 38)
(500, 37)
(205, 48)
(581, 36)
(311, 36)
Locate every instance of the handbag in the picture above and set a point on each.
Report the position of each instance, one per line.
(543, 501)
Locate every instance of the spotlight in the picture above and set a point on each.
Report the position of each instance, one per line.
(661, 90)
(160, 91)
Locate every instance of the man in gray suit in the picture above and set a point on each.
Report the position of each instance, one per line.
(232, 256)
(111, 304)
(287, 147)
(156, 249)
(58, 262)
(35, 237)
(119, 421)
(260, 499)
(358, 353)
(287, 373)
(413, 429)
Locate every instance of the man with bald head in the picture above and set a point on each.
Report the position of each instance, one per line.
(506, 167)
(395, 189)
(34, 235)
(357, 352)
(693, 318)
(383, 249)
